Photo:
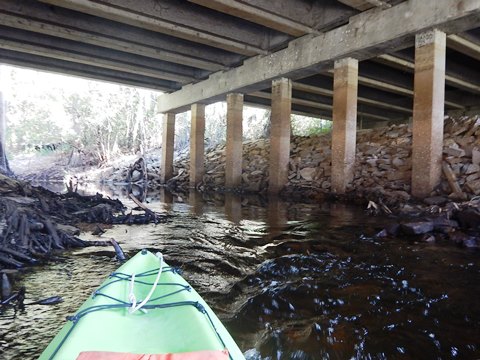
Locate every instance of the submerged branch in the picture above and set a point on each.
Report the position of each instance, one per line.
(34, 221)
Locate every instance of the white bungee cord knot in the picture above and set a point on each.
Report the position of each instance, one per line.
(131, 296)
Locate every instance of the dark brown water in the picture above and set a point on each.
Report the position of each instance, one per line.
(289, 281)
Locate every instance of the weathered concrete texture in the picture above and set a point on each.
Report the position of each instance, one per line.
(428, 111)
(345, 90)
(197, 146)
(168, 140)
(233, 166)
(280, 134)
(377, 31)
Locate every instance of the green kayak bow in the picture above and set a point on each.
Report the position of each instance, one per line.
(145, 307)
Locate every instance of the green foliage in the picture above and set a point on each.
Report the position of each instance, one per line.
(256, 123)
(107, 120)
(308, 126)
(98, 118)
(30, 125)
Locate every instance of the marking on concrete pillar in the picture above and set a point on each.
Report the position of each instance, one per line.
(280, 134)
(426, 38)
(233, 163)
(344, 131)
(428, 112)
(168, 139)
(197, 146)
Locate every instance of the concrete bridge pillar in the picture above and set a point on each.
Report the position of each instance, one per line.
(428, 111)
(344, 131)
(233, 165)
(168, 142)
(280, 134)
(197, 146)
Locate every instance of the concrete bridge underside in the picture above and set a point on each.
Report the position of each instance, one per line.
(352, 61)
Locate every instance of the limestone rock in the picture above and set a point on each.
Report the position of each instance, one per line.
(417, 228)
(472, 168)
(476, 156)
(382, 163)
(474, 186)
(454, 151)
(308, 173)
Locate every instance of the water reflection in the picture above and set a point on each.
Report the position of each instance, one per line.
(291, 281)
(233, 208)
(195, 199)
(165, 197)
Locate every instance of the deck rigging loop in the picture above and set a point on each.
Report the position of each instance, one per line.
(131, 296)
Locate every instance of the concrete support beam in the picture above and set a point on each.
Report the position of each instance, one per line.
(117, 62)
(318, 105)
(233, 163)
(464, 46)
(318, 115)
(280, 134)
(366, 35)
(363, 5)
(452, 80)
(168, 142)
(428, 111)
(344, 130)
(61, 23)
(197, 145)
(177, 19)
(83, 71)
(257, 15)
(396, 89)
(295, 18)
(361, 100)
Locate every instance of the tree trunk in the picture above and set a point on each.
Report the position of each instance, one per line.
(4, 168)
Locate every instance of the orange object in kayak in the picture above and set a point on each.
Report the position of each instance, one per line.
(196, 355)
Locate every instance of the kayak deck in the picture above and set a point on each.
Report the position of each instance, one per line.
(175, 319)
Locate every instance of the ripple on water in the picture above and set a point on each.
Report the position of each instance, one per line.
(290, 283)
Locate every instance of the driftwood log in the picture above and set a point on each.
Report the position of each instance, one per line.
(137, 173)
(34, 222)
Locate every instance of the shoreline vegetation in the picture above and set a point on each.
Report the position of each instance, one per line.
(35, 222)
